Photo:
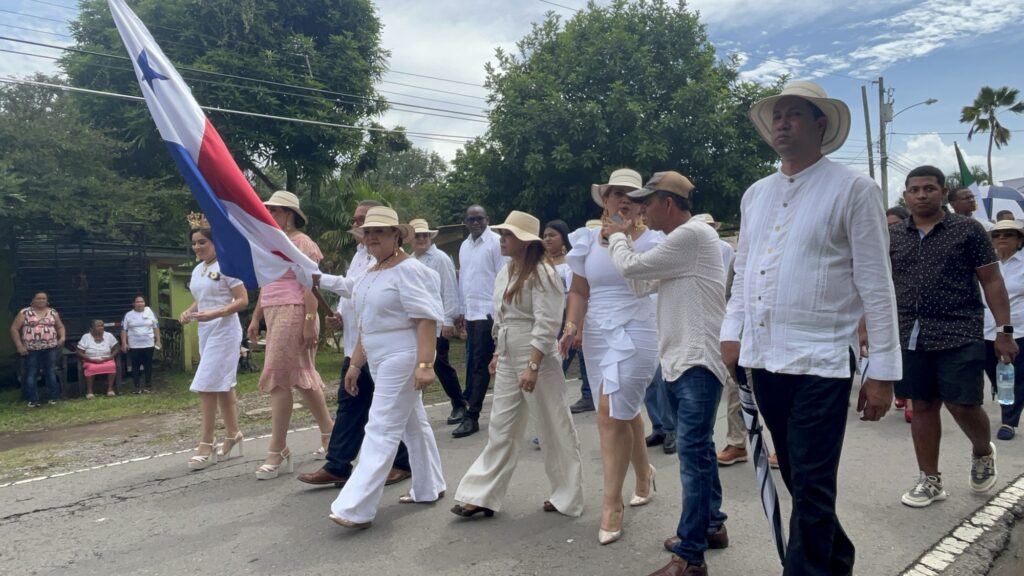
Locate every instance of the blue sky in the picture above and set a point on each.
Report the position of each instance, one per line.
(941, 49)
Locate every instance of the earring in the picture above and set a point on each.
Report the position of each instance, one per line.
(564, 251)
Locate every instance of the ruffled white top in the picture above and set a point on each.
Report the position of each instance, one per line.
(389, 301)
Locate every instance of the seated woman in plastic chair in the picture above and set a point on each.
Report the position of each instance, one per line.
(96, 350)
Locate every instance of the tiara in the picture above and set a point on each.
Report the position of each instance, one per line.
(197, 221)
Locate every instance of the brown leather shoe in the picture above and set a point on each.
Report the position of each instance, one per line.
(322, 478)
(679, 567)
(732, 455)
(397, 475)
(717, 541)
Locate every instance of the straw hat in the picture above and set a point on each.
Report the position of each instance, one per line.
(419, 226)
(384, 217)
(624, 177)
(709, 220)
(521, 225)
(838, 114)
(1008, 225)
(286, 199)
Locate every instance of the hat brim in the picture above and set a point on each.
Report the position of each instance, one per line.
(408, 232)
(597, 191)
(837, 112)
(518, 232)
(298, 211)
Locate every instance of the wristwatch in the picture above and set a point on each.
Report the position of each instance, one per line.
(1005, 329)
(533, 365)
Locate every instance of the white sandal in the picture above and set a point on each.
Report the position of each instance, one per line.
(236, 441)
(321, 452)
(271, 471)
(201, 461)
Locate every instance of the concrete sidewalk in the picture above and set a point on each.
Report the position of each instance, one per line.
(156, 517)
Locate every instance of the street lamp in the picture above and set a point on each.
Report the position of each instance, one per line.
(885, 116)
(887, 111)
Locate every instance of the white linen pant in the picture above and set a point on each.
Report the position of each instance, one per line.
(396, 414)
(487, 480)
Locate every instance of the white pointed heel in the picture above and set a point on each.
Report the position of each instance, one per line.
(271, 471)
(605, 537)
(226, 449)
(321, 452)
(637, 500)
(201, 461)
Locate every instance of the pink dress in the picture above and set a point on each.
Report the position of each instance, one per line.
(288, 363)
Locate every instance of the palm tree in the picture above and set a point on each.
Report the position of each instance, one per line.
(982, 117)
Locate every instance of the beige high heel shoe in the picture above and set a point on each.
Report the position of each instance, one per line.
(321, 452)
(606, 537)
(637, 500)
(271, 471)
(201, 461)
(225, 448)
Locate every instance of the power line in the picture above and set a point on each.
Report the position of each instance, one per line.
(34, 16)
(36, 31)
(64, 6)
(562, 6)
(426, 135)
(238, 77)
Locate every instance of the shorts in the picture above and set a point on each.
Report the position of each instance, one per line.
(955, 375)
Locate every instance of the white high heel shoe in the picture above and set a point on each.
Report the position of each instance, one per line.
(606, 537)
(321, 452)
(236, 441)
(201, 461)
(271, 471)
(637, 500)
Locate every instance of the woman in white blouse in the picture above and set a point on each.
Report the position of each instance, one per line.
(1008, 239)
(96, 352)
(140, 336)
(399, 316)
(620, 342)
(218, 299)
(528, 302)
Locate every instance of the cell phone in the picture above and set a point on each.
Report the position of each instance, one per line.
(618, 220)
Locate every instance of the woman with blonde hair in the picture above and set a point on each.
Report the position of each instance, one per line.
(293, 329)
(528, 303)
(620, 343)
(218, 300)
(398, 316)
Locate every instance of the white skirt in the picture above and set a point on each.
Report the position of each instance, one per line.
(220, 342)
(621, 361)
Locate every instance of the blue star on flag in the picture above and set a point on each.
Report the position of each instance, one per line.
(148, 73)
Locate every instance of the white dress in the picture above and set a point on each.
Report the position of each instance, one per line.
(219, 340)
(386, 304)
(620, 337)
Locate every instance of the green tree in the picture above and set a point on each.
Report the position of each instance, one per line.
(321, 44)
(633, 84)
(982, 116)
(59, 173)
(954, 181)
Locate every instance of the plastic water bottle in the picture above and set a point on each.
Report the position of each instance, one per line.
(1004, 383)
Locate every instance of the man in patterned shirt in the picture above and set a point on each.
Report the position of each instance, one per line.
(938, 260)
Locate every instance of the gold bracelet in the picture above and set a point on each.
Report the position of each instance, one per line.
(570, 326)
(425, 365)
(310, 317)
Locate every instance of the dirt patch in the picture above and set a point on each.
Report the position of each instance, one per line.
(1011, 561)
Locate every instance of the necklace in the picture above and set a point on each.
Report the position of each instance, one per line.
(360, 292)
(206, 265)
(380, 265)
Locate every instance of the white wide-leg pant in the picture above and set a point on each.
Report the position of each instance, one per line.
(396, 414)
(487, 480)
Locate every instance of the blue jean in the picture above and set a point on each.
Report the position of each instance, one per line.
(659, 410)
(45, 360)
(695, 396)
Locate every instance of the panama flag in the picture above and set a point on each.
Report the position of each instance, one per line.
(967, 181)
(250, 245)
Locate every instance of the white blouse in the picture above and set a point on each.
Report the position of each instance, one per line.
(97, 350)
(1013, 277)
(392, 299)
(210, 288)
(612, 303)
(139, 327)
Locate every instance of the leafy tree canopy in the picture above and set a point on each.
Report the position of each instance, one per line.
(633, 84)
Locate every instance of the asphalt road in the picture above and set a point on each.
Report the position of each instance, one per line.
(157, 517)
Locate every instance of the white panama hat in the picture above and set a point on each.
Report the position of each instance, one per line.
(836, 111)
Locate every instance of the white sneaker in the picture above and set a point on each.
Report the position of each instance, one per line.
(983, 471)
(928, 489)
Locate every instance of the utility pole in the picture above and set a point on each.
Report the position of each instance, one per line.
(867, 129)
(883, 158)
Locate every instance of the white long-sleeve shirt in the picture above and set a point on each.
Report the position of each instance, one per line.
(685, 270)
(442, 263)
(342, 286)
(479, 262)
(813, 257)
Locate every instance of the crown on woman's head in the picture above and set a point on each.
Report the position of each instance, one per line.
(197, 221)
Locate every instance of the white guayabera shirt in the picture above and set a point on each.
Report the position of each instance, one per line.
(813, 258)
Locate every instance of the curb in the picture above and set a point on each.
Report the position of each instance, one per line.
(971, 548)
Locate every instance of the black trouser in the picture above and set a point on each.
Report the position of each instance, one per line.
(139, 358)
(807, 418)
(447, 375)
(1011, 414)
(479, 351)
(350, 425)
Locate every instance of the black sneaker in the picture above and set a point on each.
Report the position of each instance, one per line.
(468, 427)
(669, 447)
(582, 405)
(655, 439)
(458, 413)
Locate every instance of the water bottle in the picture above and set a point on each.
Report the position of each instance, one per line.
(1004, 383)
